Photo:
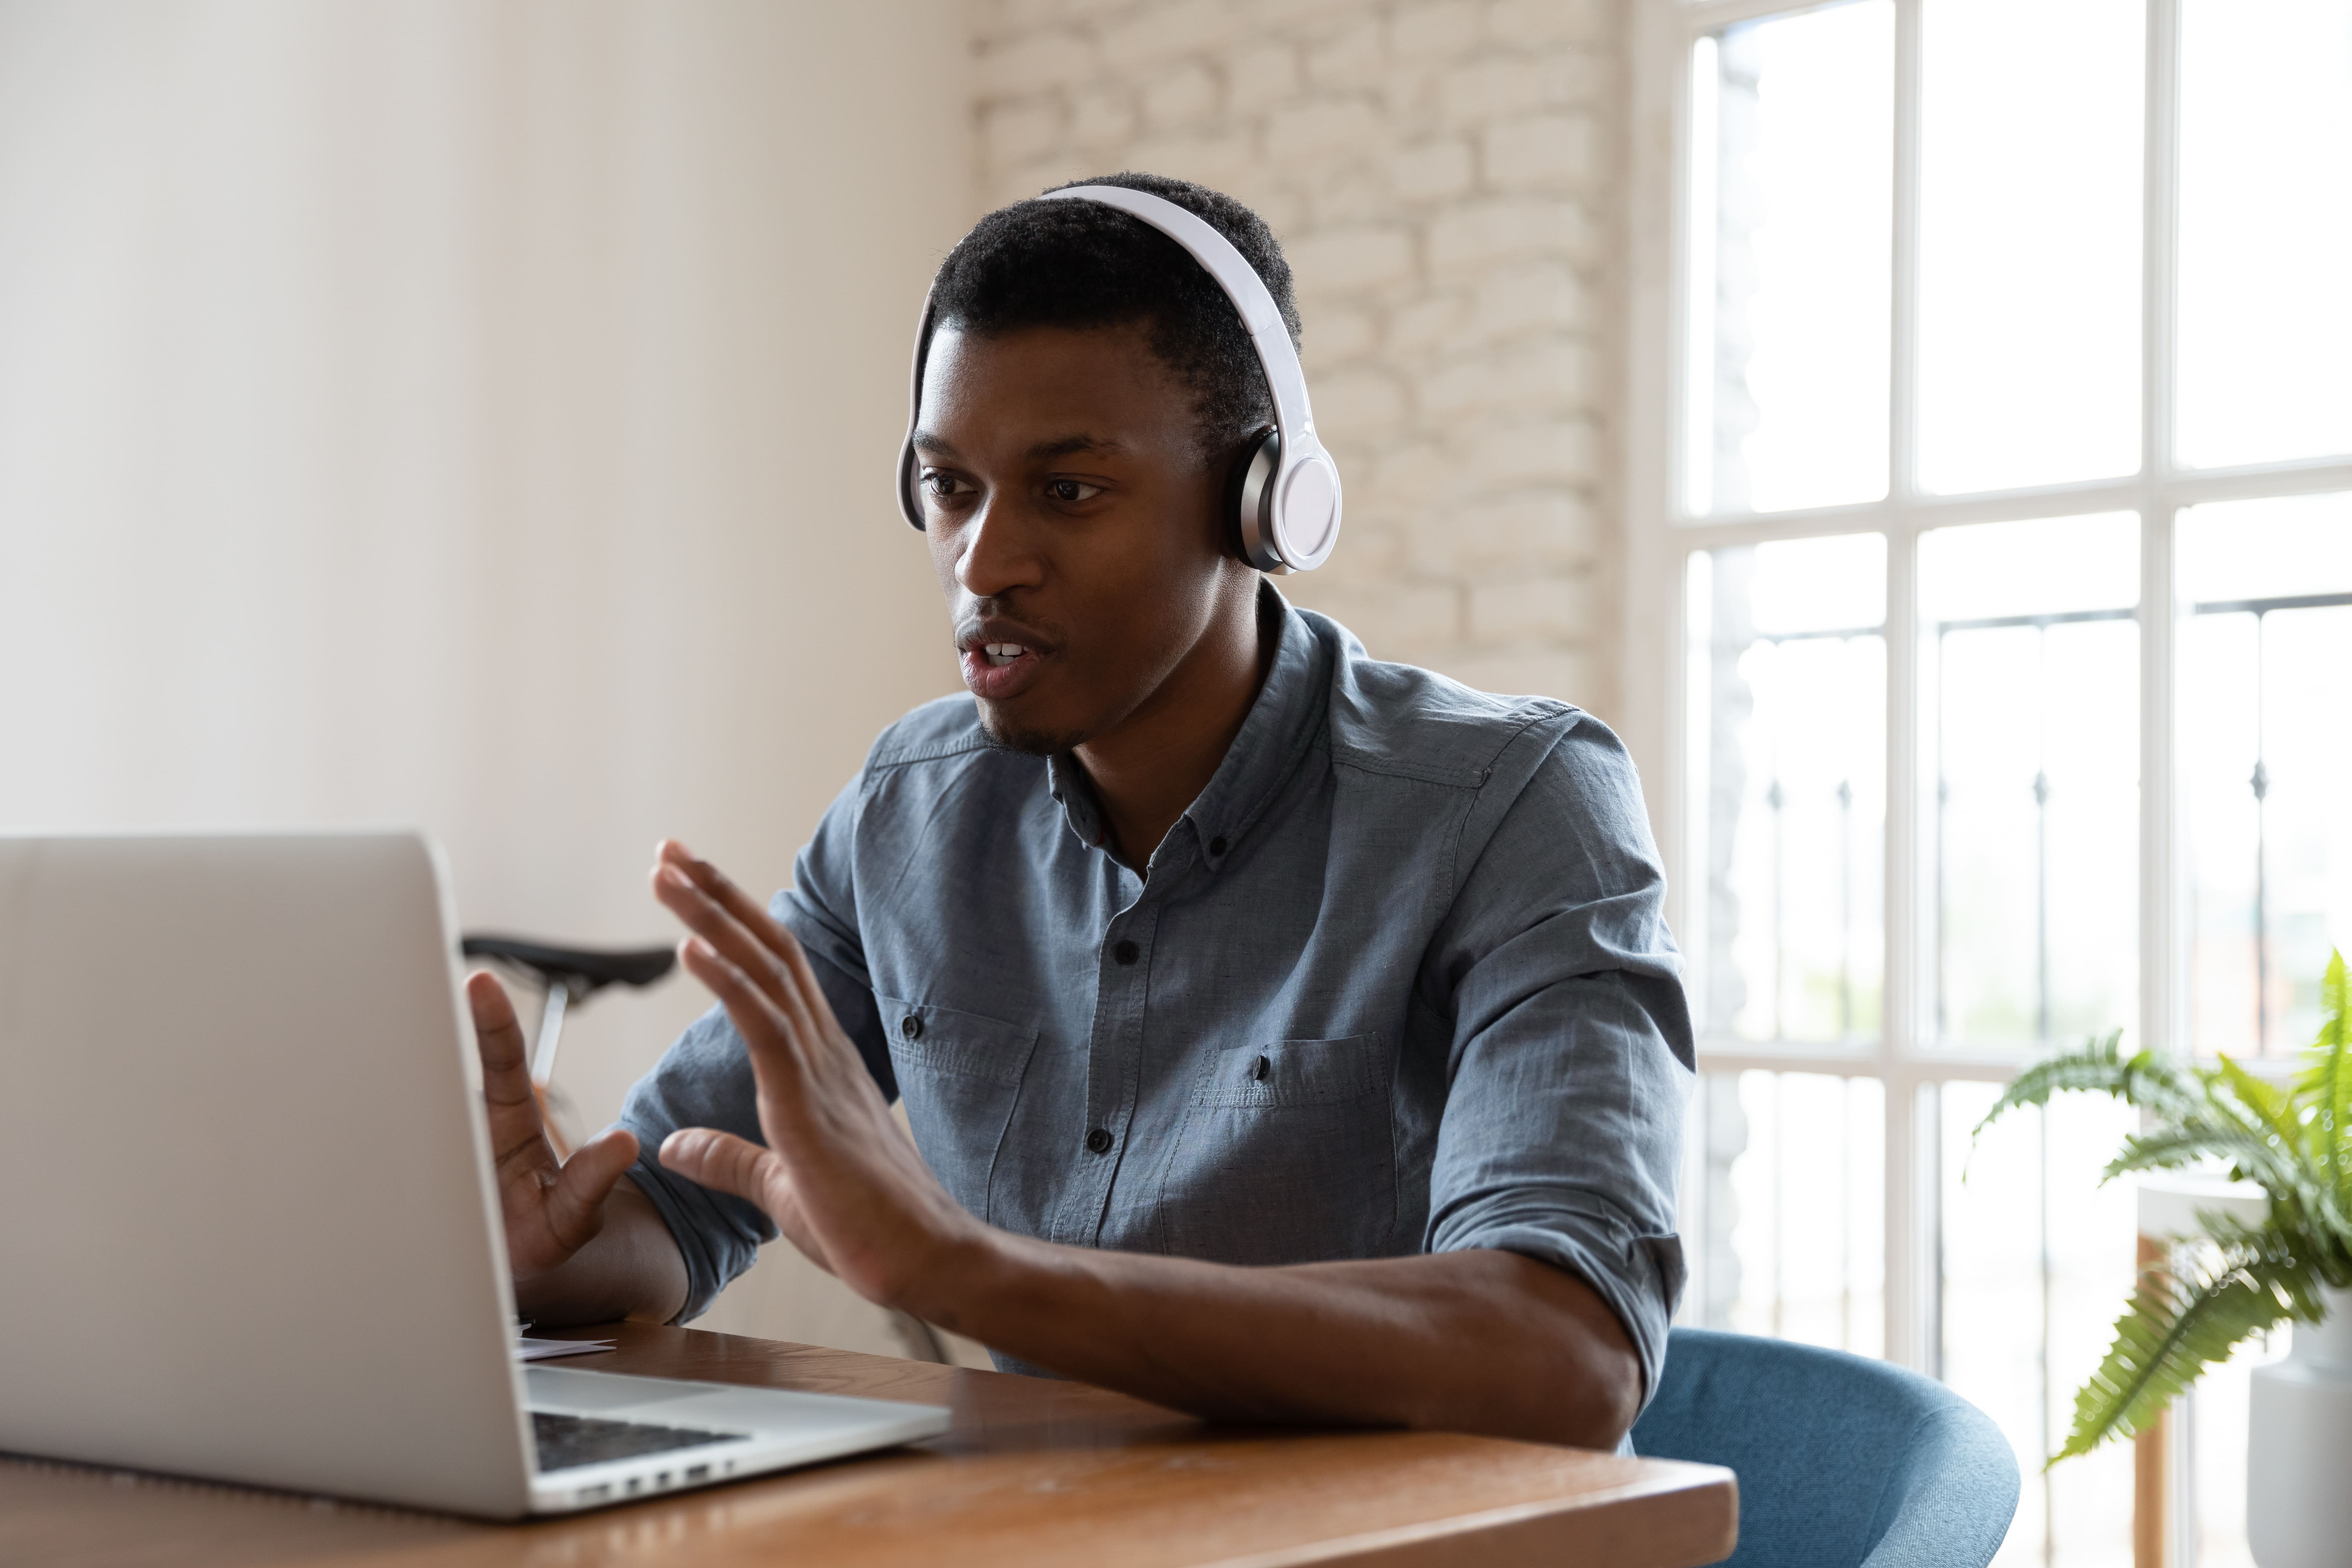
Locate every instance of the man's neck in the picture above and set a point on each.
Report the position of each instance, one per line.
(1156, 762)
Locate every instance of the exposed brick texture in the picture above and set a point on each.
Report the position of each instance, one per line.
(1444, 177)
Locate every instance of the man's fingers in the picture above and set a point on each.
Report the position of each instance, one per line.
(516, 1127)
(771, 956)
(813, 1006)
(726, 1163)
(721, 1162)
(756, 1016)
(728, 894)
(575, 1205)
(723, 889)
(497, 1034)
(702, 915)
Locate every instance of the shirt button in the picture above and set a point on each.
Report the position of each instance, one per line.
(1216, 846)
(1126, 953)
(1259, 1068)
(911, 1026)
(1098, 1141)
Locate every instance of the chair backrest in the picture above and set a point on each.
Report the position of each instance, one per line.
(1843, 1462)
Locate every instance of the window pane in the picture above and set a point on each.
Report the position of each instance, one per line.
(1788, 683)
(2031, 663)
(1791, 191)
(2030, 242)
(1784, 1208)
(2035, 1262)
(2265, 230)
(2217, 1411)
(2265, 673)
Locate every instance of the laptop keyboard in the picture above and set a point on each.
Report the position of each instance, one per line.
(567, 1442)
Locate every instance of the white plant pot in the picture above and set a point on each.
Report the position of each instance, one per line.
(2299, 1447)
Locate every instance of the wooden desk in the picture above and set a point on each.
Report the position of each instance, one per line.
(1034, 1473)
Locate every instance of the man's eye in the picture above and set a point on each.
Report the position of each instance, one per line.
(1069, 492)
(943, 485)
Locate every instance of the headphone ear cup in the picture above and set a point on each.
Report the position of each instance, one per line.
(1249, 496)
(910, 498)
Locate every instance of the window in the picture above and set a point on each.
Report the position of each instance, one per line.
(1990, 487)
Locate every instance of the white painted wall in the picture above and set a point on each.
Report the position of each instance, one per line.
(476, 415)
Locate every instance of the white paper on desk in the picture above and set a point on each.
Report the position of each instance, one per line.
(527, 1349)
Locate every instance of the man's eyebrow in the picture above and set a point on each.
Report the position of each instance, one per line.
(1063, 445)
(1059, 447)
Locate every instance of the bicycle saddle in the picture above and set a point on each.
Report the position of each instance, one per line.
(582, 971)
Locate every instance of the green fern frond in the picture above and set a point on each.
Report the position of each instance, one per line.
(2199, 1142)
(2272, 1107)
(2295, 1196)
(2247, 1136)
(2168, 1336)
(2232, 1239)
(2297, 1178)
(2099, 1067)
(2294, 1140)
(2326, 1082)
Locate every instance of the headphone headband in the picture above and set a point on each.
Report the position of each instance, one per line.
(1290, 519)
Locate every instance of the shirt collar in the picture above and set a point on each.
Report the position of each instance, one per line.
(1272, 739)
(1075, 793)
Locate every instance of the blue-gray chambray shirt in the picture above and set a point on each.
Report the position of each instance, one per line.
(1398, 982)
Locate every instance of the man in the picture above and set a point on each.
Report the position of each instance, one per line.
(1284, 1035)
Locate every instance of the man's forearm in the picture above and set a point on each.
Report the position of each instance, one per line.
(631, 1269)
(1481, 1341)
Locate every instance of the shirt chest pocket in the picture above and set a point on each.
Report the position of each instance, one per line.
(1285, 1154)
(958, 1075)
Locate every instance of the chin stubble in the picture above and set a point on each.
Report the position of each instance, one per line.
(1028, 743)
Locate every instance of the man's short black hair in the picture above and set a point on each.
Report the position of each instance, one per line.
(1084, 264)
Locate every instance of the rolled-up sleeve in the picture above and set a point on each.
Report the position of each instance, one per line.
(1571, 1058)
(704, 1079)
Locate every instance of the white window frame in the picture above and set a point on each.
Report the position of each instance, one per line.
(1660, 539)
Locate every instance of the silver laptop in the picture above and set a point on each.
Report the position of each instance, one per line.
(248, 1229)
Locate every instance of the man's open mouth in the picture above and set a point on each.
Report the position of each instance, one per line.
(998, 670)
(1001, 656)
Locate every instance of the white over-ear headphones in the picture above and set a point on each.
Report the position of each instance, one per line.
(1289, 489)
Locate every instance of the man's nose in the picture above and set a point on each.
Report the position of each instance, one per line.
(998, 552)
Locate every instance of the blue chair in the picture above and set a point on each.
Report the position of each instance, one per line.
(1843, 1462)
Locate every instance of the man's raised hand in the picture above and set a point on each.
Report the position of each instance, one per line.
(552, 1208)
(837, 1175)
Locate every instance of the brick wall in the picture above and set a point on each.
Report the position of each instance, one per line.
(1445, 177)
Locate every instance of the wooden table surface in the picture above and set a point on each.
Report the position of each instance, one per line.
(1034, 1473)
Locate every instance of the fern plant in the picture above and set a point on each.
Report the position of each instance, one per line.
(2293, 1141)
